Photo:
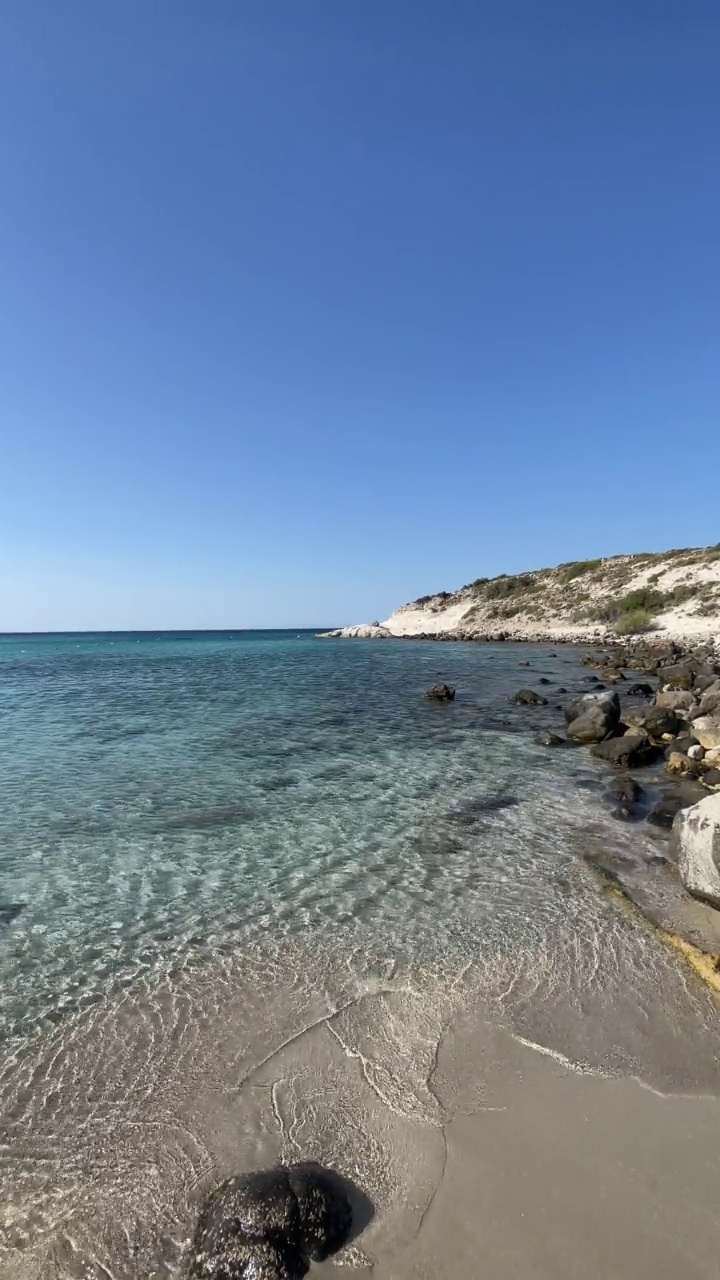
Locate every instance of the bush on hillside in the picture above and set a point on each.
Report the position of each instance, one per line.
(636, 620)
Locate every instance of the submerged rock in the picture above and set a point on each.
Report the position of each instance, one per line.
(624, 795)
(441, 693)
(640, 690)
(551, 740)
(696, 836)
(271, 1225)
(529, 698)
(10, 911)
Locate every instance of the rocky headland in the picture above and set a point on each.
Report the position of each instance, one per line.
(672, 595)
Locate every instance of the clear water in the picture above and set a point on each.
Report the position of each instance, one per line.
(163, 790)
(238, 855)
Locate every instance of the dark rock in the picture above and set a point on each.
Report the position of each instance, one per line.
(593, 717)
(550, 740)
(591, 679)
(271, 1225)
(529, 698)
(625, 753)
(441, 693)
(544, 680)
(705, 683)
(663, 813)
(560, 689)
(640, 691)
(624, 795)
(10, 911)
(523, 664)
(655, 722)
(711, 778)
(682, 744)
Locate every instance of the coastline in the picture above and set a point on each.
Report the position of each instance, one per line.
(506, 1060)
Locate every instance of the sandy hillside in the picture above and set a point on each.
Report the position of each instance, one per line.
(672, 594)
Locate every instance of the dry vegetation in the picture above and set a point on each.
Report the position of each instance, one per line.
(621, 594)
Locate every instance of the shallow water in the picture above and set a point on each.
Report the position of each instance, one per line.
(260, 878)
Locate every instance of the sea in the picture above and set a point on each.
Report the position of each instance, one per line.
(249, 879)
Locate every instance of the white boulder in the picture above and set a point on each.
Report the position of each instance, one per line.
(696, 836)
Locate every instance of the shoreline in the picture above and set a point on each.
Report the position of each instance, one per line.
(525, 1090)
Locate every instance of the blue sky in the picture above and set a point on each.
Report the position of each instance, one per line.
(312, 306)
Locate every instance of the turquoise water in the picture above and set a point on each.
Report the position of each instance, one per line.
(163, 791)
(248, 884)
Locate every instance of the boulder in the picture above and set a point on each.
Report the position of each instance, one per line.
(272, 1224)
(529, 698)
(696, 838)
(695, 751)
(679, 676)
(640, 690)
(707, 731)
(441, 693)
(544, 680)
(656, 722)
(711, 778)
(674, 699)
(682, 743)
(709, 704)
(593, 717)
(625, 753)
(550, 740)
(711, 757)
(679, 765)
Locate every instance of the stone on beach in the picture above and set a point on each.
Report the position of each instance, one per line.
(627, 752)
(655, 722)
(696, 836)
(593, 717)
(707, 731)
(675, 699)
(271, 1225)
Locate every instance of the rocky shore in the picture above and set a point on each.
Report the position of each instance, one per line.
(651, 714)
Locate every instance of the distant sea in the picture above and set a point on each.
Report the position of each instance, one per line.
(200, 829)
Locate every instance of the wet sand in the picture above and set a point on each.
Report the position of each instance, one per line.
(549, 1115)
(572, 1178)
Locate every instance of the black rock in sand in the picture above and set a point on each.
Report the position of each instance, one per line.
(271, 1225)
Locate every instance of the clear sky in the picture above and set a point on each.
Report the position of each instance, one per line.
(312, 306)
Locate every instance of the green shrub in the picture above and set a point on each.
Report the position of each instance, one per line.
(634, 621)
(576, 567)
